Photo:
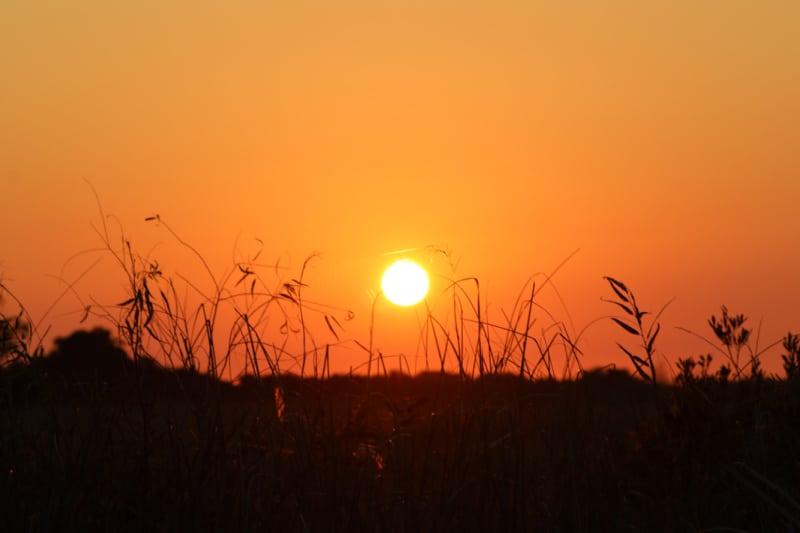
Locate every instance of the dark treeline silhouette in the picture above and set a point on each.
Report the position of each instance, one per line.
(89, 353)
(92, 362)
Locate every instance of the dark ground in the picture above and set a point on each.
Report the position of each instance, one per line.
(123, 447)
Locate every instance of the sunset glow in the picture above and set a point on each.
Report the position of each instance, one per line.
(660, 139)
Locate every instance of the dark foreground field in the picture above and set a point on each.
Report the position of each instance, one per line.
(151, 450)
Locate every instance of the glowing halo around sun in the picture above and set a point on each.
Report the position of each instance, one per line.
(405, 283)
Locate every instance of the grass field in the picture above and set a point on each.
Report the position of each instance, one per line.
(507, 431)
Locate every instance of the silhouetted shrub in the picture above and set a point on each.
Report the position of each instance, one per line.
(791, 359)
(89, 353)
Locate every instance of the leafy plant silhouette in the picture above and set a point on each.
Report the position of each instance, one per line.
(686, 368)
(791, 360)
(635, 326)
(16, 333)
(733, 338)
(730, 331)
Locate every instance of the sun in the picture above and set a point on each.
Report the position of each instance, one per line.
(405, 283)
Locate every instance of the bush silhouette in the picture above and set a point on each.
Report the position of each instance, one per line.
(89, 353)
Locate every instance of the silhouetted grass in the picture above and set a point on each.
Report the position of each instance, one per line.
(506, 431)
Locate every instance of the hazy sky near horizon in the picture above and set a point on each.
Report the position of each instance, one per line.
(661, 139)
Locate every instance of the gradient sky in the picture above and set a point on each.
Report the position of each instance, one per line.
(662, 139)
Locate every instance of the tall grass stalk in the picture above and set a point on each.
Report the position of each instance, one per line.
(633, 324)
(469, 341)
(177, 322)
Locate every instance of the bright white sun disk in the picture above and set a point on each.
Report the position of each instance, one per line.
(405, 283)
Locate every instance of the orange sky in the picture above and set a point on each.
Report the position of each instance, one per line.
(661, 140)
